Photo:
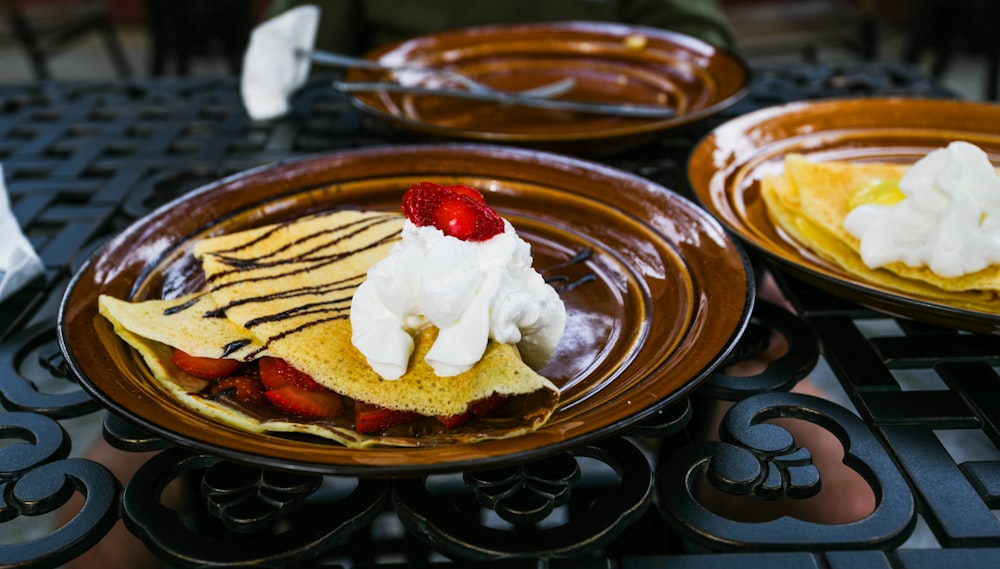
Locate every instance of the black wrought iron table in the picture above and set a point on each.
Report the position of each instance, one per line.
(82, 160)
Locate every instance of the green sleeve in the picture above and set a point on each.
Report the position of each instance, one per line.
(704, 19)
(355, 26)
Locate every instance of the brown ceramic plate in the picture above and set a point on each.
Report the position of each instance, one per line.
(655, 319)
(611, 63)
(726, 167)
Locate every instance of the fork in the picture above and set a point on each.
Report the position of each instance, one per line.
(546, 91)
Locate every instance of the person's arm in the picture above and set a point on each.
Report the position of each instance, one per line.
(704, 19)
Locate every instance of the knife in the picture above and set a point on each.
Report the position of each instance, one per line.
(621, 110)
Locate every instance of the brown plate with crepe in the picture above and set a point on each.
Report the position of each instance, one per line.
(648, 316)
(728, 166)
(610, 63)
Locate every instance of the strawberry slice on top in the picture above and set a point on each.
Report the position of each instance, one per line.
(458, 211)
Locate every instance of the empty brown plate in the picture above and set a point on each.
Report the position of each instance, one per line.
(610, 63)
(649, 317)
(726, 168)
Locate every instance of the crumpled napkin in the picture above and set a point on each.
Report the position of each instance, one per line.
(18, 261)
(274, 66)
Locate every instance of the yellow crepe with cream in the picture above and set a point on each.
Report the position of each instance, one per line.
(810, 200)
(284, 291)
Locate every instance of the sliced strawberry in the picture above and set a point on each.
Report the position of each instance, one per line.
(420, 202)
(304, 403)
(454, 421)
(480, 408)
(458, 211)
(468, 191)
(370, 418)
(487, 405)
(423, 189)
(458, 217)
(275, 372)
(206, 368)
(245, 389)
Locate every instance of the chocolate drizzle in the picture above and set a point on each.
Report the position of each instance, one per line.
(581, 257)
(562, 281)
(258, 265)
(234, 346)
(349, 283)
(339, 305)
(182, 307)
(309, 260)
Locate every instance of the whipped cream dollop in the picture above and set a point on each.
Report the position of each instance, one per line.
(948, 220)
(472, 291)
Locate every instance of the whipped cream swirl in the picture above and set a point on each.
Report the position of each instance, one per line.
(949, 219)
(472, 291)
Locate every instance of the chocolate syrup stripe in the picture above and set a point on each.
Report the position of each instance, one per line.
(248, 263)
(316, 312)
(305, 265)
(183, 306)
(335, 305)
(349, 283)
(285, 333)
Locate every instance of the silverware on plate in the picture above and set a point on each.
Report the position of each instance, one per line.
(513, 99)
(546, 91)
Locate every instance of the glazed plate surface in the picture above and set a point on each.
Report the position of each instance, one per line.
(610, 63)
(648, 314)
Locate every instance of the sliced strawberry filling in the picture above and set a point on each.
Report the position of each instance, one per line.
(272, 381)
(305, 403)
(480, 408)
(205, 368)
(244, 388)
(370, 418)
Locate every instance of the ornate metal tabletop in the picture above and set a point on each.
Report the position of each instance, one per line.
(910, 404)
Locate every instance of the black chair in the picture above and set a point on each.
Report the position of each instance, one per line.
(42, 31)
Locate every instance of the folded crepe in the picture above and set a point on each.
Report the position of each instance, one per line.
(810, 200)
(285, 290)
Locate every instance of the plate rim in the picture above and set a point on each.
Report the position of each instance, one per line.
(367, 470)
(630, 129)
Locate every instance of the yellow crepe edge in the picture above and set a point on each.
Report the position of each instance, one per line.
(184, 388)
(775, 190)
(826, 205)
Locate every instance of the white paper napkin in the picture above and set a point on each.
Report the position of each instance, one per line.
(273, 67)
(18, 261)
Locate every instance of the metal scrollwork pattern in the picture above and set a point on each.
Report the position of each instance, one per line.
(19, 392)
(246, 515)
(762, 458)
(525, 498)
(36, 478)
(665, 421)
(526, 494)
(781, 373)
(247, 500)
